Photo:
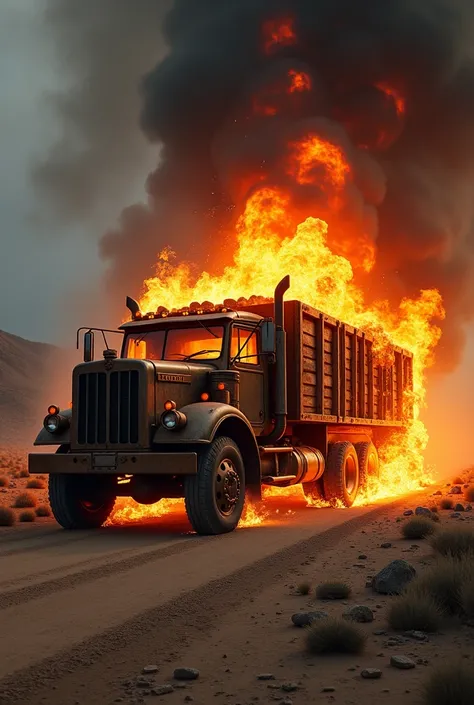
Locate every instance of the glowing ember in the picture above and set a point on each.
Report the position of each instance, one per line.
(313, 152)
(396, 96)
(278, 33)
(300, 81)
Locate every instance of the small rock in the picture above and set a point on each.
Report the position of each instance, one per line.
(417, 635)
(305, 619)
(423, 512)
(402, 662)
(150, 669)
(362, 557)
(408, 513)
(286, 701)
(455, 490)
(359, 613)
(188, 698)
(469, 508)
(328, 689)
(380, 632)
(392, 579)
(386, 545)
(289, 687)
(265, 677)
(455, 515)
(459, 507)
(437, 494)
(162, 689)
(371, 673)
(186, 674)
(143, 683)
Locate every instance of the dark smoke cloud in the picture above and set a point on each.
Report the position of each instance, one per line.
(102, 48)
(412, 187)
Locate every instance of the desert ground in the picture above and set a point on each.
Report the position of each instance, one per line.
(107, 616)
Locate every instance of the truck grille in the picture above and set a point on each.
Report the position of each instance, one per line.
(108, 408)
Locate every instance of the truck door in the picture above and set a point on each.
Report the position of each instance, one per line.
(252, 378)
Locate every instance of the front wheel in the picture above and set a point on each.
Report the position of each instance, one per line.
(80, 502)
(215, 496)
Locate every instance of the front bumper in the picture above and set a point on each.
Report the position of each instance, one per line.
(113, 463)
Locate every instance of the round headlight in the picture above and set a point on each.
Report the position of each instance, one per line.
(170, 420)
(52, 423)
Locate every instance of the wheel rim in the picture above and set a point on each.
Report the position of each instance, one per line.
(372, 465)
(227, 487)
(351, 475)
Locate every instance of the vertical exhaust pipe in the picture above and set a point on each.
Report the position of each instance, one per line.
(280, 411)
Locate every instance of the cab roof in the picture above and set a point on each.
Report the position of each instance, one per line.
(176, 319)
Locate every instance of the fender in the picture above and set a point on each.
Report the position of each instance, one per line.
(45, 438)
(208, 419)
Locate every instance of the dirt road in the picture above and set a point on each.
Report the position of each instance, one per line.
(81, 612)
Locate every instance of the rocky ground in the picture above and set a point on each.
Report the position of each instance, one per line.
(15, 482)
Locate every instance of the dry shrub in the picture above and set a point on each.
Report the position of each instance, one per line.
(469, 494)
(27, 516)
(333, 591)
(446, 503)
(304, 588)
(418, 528)
(7, 517)
(35, 484)
(443, 583)
(3, 481)
(434, 509)
(450, 684)
(25, 499)
(458, 480)
(456, 541)
(415, 611)
(43, 511)
(23, 473)
(335, 636)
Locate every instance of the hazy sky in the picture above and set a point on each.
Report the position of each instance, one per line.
(41, 274)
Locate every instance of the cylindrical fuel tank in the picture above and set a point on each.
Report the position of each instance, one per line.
(305, 463)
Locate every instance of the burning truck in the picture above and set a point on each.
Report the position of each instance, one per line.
(212, 403)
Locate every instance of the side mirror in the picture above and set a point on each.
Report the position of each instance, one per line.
(268, 337)
(88, 346)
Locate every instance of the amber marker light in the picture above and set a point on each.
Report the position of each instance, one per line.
(204, 396)
(221, 386)
(169, 405)
(53, 410)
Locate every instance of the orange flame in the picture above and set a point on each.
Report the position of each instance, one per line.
(278, 33)
(300, 81)
(398, 98)
(268, 247)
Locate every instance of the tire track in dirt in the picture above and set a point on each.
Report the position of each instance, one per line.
(178, 622)
(35, 592)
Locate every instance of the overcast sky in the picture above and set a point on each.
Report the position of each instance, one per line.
(41, 275)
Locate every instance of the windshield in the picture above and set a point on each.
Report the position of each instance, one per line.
(199, 343)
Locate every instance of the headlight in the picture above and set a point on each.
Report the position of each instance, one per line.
(54, 423)
(171, 420)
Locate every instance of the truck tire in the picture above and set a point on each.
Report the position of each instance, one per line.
(341, 476)
(215, 496)
(77, 503)
(369, 465)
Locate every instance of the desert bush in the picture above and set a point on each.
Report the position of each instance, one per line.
(434, 509)
(467, 597)
(446, 503)
(456, 541)
(333, 591)
(304, 588)
(24, 473)
(469, 494)
(7, 517)
(415, 610)
(331, 636)
(443, 582)
(458, 480)
(35, 484)
(27, 516)
(3, 481)
(25, 499)
(43, 511)
(449, 684)
(418, 528)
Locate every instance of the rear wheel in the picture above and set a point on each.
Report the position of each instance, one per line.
(80, 502)
(341, 476)
(215, 496)
(369, 465)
